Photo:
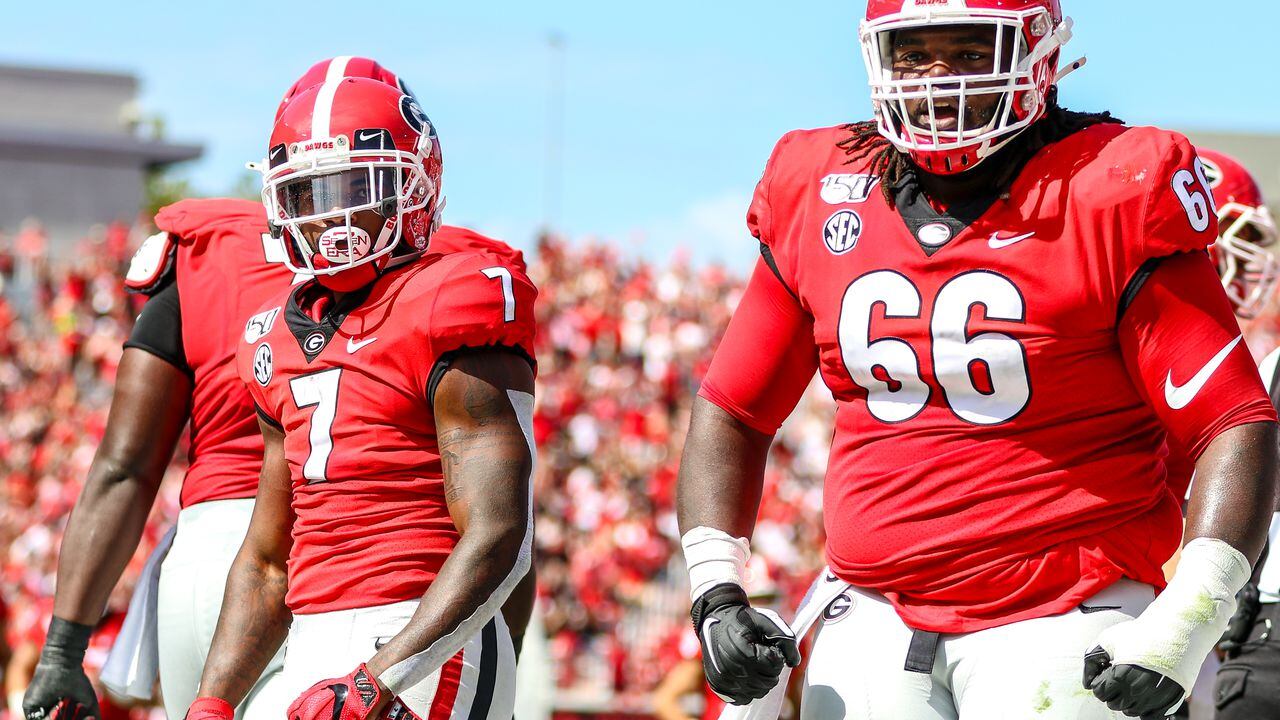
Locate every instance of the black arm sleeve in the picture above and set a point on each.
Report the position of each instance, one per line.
(159, 329)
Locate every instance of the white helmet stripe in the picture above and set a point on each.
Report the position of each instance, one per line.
(324, 99)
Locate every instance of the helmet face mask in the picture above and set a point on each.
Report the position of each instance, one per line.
(1245, 252)
(949, 123)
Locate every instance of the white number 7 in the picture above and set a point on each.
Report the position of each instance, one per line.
(508, 295)
(319, 389)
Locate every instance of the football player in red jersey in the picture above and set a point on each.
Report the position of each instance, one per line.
(217, 257)
(395, 394)
(1012, 306)
(209, 267)
(1248, 267)
(519, 606)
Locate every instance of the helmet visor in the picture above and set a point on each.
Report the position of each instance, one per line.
(350, 189)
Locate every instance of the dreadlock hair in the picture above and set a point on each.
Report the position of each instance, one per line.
(892, 165)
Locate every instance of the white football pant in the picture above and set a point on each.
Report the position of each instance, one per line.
(478, 683)
(1029, 670)
(192, 580)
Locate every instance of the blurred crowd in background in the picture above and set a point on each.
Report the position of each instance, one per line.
(622, 346)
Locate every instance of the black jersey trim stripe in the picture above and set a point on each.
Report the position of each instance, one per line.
(767, 254)
(158, 329)
(447, 359)
(488, 676)
(1135, 284)
(262, 415)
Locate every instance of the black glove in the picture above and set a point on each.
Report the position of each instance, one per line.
(1248, 605)
(59, 689)
(743, 649)
(1135, 691)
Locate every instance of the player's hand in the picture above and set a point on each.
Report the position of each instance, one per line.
(743, 649)
(355, 696)
(1135, 691)
(210, 708)
(59, 689)
(1248, 605)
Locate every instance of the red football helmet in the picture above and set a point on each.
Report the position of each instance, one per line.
(1245, 250)
(339, 67)
(352, 179)
(1028, 37)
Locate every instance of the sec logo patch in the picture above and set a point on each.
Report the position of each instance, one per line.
(841, 231)
(262, 365)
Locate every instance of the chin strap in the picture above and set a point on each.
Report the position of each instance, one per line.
(1070, 69)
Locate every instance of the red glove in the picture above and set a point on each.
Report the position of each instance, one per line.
(353, 697)
(210, 708)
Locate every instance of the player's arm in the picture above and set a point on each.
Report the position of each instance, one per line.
(1185, 353)
(758, 374)
(254, 619)
(149, 408)
(483, 413)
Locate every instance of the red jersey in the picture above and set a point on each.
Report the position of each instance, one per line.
(226, 267)
(352, 394)
(995, 457)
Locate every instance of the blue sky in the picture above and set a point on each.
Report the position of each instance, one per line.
(671, 106)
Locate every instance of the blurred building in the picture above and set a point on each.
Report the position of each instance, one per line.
(71, 150)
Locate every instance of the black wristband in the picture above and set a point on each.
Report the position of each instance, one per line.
(66, 641)
(714, 599)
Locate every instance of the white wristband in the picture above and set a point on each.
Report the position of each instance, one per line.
(1177, 631)
(713, 557)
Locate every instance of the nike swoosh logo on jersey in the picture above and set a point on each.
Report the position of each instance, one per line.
(996, 242)
(1179, 396)
(379, 642)
(353, 346)
(1086, 609)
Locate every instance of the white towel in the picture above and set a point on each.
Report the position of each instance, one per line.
(823, 590)
(134, 662)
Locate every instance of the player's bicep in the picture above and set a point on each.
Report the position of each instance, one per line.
(483, 407)
(1185, 352)
(149, 408)
(767, 357)
(268, 539)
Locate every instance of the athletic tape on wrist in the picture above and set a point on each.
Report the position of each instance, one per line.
(1177, 631)
(417, 668)
(66, 641)
(713, 557)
